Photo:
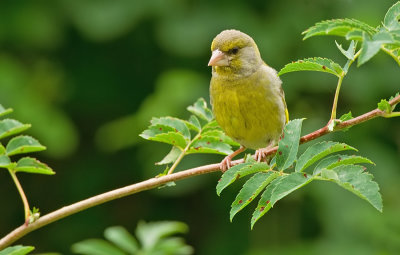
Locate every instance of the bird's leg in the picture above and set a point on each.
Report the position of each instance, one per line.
(226, 163)
(262, 153)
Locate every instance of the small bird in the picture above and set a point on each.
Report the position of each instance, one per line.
(246, 95)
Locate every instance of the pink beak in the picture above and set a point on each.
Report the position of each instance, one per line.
(218, 58)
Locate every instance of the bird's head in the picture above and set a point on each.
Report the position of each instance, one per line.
(234, 53)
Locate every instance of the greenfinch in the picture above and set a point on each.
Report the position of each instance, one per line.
(246, 94)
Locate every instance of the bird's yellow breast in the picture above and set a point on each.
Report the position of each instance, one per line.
(249, 109)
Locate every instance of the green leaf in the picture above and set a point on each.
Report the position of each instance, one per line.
(264, 203)
(119, 236)
(348, 28)
(10, 127)
(96, 247)
(251, 189)
(318, 151)
(5, 161)
(31, 165)
(196, 126)
(171, 156)
(354, 179)
(371, 45)
(4, 111)
(164, 134)
(384, 105)
(350, 52)
(209, 144)
(391, 20)
(212, 125)
(200, 109)
(23, 144)
(177, 124)
(149, 234)
(338, 160)
(313, 64)
(2, 149)
(289, 144)
(219, 134)
(239, 171)
(17, 250)
(288, 184)
(346, 116)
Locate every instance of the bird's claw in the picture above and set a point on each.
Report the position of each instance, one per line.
(225, 163)
(261, 154)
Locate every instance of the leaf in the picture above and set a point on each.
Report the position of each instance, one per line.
(391, 20)
(313, 64)
(2, 149)
(150, 233)
(17, 250)
(32, 165)
(354, 179)
(289, 144)
(4, 111)
(318, 151)
(239, 171)
(346, 116)
(10, 127)
(200, 109)
(164, 134)
(212, 125)
(196, 126)
(171, 156)
(288, 184)
(347, 28)
(338, 160)
(219, 134)
(23, 144)
(251, 189)
(384, 105)
(177, 124)
(371, 46)
(350, 52)
(119, 236)
(209, 144)
(96, 247)
(5, 161)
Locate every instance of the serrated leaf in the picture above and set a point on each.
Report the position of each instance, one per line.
(17, 250)
(96, 246)
(339, 27)
(23, 144)
(200, 109)
(209, 144)
(5, 161)
(177, 124)
(346, 116)
(2, 149)
(119, 236)
(354, 179)
(10, 127)
(251, 189)
(350, 52)
(264, 203)
(196, 125)
(4, 111)
(32, 165)
(384, 105)
(219, 134)
(318, 151)
(239, 171)
(329, 174)
(313, 64)
(288, 184)
(289, 144)
(391, 20)
(171, 156)
(337, 160)
(164, 134)
(371, 45)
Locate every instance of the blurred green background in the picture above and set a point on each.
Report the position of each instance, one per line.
(89, 75)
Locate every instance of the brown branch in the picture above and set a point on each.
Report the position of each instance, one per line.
(156, 182)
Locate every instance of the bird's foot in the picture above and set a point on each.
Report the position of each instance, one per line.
(261, 154)
(226, 163)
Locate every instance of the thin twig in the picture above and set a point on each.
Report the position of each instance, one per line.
(156, 182)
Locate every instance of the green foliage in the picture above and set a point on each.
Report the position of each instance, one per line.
(199, 134)
(17, 250)
(289, 144)
(313, 64)
(152, 238)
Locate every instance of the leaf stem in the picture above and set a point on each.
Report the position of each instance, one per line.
(66, 211)
(183, 153)
(390, 53)
(22, 194)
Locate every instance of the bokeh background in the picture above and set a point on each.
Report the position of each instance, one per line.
(89, 75)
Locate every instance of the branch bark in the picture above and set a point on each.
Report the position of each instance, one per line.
(63, 212)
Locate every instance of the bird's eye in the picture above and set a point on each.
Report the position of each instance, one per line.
(234, 50)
